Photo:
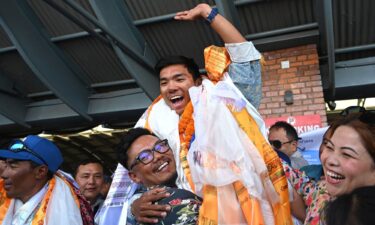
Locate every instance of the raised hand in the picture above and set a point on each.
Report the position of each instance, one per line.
(198, 12)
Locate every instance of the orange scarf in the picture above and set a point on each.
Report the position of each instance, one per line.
(4, 201)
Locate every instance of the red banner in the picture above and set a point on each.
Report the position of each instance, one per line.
(301, 123)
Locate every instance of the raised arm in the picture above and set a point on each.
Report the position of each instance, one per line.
(227, 32)
(245, 67)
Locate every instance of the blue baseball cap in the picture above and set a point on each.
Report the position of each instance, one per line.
(36, 149)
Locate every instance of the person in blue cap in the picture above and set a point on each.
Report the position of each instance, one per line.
(35, 193)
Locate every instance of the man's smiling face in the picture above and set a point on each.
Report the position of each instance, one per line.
(161, 170)
(175, 81)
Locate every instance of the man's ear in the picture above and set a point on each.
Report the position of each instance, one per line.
(134, 177)
(41, 172)
(295, 143)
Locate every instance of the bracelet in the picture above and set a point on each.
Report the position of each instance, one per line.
(212, 15)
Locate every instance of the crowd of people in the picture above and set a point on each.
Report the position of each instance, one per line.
(201, 154)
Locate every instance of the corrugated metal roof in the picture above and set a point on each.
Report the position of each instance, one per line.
(141, 9)
(354, 25)
(15, 68)
(96, 59)
(270, 15)
(57, 24)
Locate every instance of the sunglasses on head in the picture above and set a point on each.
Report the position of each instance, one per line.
(20, 146)
(368, 117)
(277, 143)
(352, 109)
(365, 116)
(146, 156)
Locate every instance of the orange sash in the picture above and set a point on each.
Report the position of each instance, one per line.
(275, 170)
(4, 201)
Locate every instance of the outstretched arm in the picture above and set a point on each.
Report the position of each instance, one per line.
(227, 32)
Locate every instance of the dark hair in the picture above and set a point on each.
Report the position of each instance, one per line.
(189, 63)
(127, 140)
(291, 133)
(363, 124)
(88, 161)
(356, 208)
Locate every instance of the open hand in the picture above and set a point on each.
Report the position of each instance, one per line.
(145, 211)
(200, 11)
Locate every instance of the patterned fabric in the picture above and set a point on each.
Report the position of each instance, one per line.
(184, 207)
(314, 194)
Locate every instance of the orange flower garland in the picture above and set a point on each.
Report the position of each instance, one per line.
(186, 131)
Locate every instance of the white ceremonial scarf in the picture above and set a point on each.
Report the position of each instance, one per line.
(222, 153)
(61, 210)
(22, 213)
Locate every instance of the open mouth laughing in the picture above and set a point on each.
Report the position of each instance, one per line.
(333, 177)
(176, 100)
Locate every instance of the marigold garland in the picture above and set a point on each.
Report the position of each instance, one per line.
(186, 131)
(186, 125)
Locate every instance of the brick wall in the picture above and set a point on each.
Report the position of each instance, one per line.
(302, 78)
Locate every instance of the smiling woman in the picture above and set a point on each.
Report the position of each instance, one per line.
(348, 160)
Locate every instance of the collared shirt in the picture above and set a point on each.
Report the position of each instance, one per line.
(23, 213)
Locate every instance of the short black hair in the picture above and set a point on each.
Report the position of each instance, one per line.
(189, 63)
(127, 140)
(88, 161)
(291, 132)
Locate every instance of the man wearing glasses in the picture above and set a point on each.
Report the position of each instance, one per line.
(284, 138)
(151, 164)
(33, 188)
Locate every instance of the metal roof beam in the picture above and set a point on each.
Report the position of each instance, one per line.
(115, 16)
(355, 49)
(45, 59)
(362, 86)
(126, 105)
(325, 20)
(286, 40)
(12, 107)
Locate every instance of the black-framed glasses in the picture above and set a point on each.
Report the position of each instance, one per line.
(146, 156)
(277, 143)
(20, 146)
